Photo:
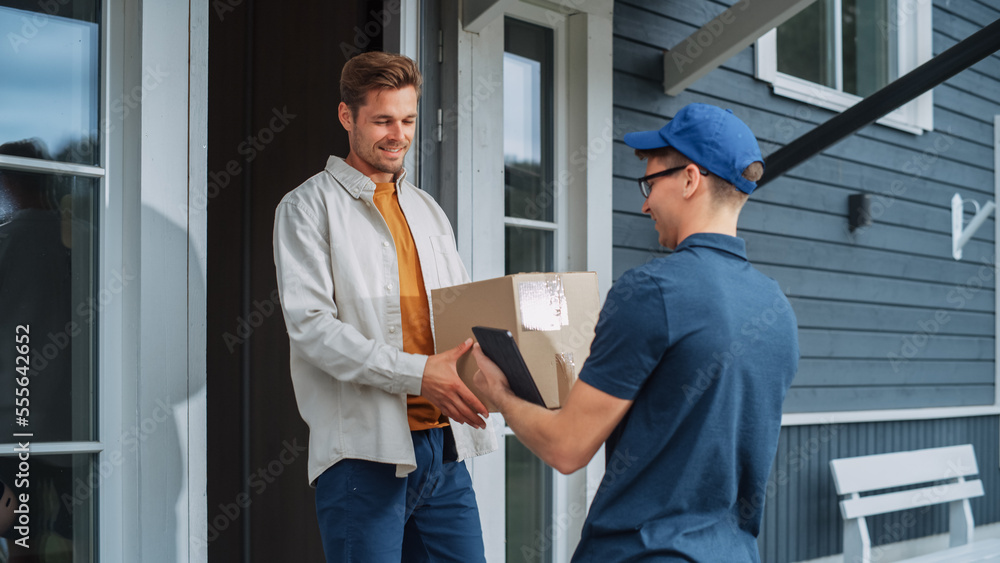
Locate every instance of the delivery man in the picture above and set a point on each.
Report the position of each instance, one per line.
(693, 354)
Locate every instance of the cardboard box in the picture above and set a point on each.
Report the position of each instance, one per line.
(551, 316)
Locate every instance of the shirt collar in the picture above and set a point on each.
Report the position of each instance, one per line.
(352, 180)
(733, 245)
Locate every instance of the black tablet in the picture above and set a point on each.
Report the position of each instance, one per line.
(499, 346)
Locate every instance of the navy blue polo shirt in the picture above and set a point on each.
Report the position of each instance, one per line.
(706, 347)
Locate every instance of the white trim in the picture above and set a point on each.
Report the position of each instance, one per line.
(914, 548)
(807, 418)
(401, 35)
(765, 57)
(478, 14)
(127, 543)
(54, 448)
(914, 18)
(838, 45)
(835, 100)
(8, 162)
(111, 506)
(591, 142)
(530, 224)
(196, 423)
(490, 483)
(487, 169)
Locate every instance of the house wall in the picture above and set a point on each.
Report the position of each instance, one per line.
(801, 512)
(888, 319)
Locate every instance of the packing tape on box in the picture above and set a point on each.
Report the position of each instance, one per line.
(565, 373)
(543, 304)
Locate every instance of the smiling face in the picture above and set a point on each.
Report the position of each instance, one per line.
(665, 199)
(381, 132)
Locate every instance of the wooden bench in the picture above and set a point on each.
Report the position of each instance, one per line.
(941, 471)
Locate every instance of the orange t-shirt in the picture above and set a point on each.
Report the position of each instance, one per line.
(417, 337)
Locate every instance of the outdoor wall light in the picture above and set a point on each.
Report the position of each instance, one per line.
(859, 211)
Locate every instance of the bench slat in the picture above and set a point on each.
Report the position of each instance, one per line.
(883, 471)
(912, 498)
(987, 551)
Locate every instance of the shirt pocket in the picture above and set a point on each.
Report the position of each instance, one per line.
(447, 263)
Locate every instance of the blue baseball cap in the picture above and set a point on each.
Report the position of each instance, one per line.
(711, 137)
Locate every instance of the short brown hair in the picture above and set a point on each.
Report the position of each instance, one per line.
(724, 191)
(376, 71)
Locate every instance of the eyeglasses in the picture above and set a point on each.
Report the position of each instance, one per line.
(645, 187)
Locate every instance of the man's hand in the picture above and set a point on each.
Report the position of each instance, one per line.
(445, 390)
(490, 380)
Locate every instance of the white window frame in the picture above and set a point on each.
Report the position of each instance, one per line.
(107, 377)
(583, 150)
(915, 34)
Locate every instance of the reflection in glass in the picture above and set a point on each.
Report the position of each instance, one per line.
(869, 43)
(47, 252)
(61, 490)
(806, 45)
(529, 507)
(528, 250)
(870, 52)
(50, 85)
(527, 121)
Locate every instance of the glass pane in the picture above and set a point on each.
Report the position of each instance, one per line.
(61, 509)
(48, 303)
(50, 69)
(806, 45)
(529, 506)
(870, 42)
(527, 121)
(528, 250)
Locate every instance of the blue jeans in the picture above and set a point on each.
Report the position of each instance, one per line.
(368, 515)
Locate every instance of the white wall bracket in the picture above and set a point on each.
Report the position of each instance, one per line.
(960, 235)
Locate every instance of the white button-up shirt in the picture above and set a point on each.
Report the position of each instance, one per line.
(337, 274)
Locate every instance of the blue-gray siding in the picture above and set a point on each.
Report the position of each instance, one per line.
(801, 515)
(887, 318)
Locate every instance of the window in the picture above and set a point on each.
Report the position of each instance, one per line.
(836, 52)
(50, 181)
(529, 244)
(529, 213)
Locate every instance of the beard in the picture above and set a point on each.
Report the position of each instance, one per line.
(374, 157)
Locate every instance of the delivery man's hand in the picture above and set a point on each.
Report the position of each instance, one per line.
(445, 390)
(490, 380)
